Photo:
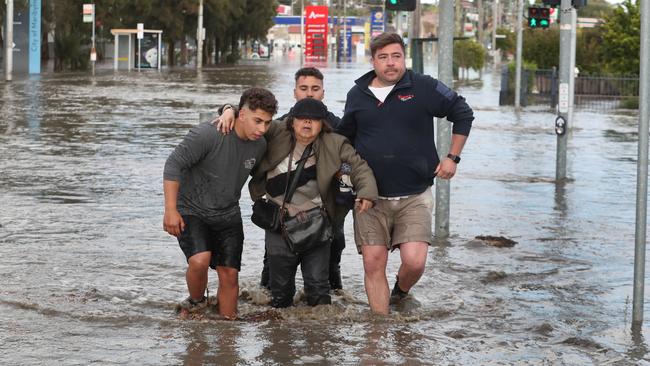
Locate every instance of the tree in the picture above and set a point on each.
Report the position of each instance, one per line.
(542, 47)
(507, 44)
(71, 36)
(589, 52)
(621, 39)
(596, 9)
(469, 54)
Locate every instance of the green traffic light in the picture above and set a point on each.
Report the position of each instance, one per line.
(543, 23)
(532, 23)
(394, 2)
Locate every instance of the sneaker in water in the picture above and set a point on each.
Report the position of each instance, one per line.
(397, 294)
(192, 305)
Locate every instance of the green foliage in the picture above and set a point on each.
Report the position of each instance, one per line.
(596, 9)
(630, 103)
(72, 36)
(589, 52)
(469, 54)
(531, 67)
(621, 39)
(227, 23)
(509, 43)
(542, 47)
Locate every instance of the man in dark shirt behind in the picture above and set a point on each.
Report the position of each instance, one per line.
(203, 179)
(389, 116)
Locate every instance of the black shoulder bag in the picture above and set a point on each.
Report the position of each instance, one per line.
(308, 229)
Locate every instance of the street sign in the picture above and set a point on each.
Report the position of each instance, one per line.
(140, 30)
(316, 32)
(563, 100)
(88, 12)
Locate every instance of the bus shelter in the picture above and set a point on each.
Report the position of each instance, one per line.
(126, 55)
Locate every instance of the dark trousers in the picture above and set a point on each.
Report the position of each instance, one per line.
(283, 264)
(336, 250)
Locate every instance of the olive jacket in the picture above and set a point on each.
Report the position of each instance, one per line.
(331, 150)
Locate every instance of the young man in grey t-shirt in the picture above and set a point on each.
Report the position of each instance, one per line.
(203, 179)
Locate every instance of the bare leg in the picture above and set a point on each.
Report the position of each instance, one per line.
(196, 275)
(228, 291)
(414, 257)
(375, 258)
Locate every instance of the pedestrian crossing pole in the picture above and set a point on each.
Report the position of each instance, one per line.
(443, 136)
(563, 120)
(642, 169)
(9, 40)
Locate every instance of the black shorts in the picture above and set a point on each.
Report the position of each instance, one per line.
(223, 236)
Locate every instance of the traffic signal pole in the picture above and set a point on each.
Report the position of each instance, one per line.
(199, 38)
(9, 40)
(443, 135)
(642, 170)
(520, 41)
(566, 73)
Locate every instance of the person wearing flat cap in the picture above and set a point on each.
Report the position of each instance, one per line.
(306, 128)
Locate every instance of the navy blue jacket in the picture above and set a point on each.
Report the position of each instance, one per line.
(396, 137)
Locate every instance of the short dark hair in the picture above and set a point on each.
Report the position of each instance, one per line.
(309, 71)
(259, 98)
(384, 40)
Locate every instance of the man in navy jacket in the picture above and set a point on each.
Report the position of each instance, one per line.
(389, 117)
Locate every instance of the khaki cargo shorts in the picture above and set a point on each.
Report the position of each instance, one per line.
(393, 222)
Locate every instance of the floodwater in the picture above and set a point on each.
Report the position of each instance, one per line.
(88, 276)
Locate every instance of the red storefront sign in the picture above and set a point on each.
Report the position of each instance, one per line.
(316, 32)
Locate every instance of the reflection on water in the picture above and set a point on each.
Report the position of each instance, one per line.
(87, 274)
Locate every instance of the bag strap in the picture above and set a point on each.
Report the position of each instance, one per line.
(294, 182)
(291, 188)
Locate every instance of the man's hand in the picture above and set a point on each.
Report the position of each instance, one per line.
(362, 205)
(173, 222)
(226, 122)
(446, 169)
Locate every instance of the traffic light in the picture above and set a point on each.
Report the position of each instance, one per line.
(402, 5)
(539, 17)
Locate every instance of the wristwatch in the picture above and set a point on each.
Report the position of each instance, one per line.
(454, 158)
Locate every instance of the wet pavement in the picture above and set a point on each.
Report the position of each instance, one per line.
(87, 274)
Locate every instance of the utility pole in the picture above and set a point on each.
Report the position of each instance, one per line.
(481, 18)
(563, 121)
(415, 23)
(458, 16)
(302, 32)
(199, 38)
(93, 50)
(9, 40)
(345, 30)
(443, 135)
(642, 169)
(520, 41)
(495, 25)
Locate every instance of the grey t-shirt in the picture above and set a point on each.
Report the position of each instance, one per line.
(212, 169)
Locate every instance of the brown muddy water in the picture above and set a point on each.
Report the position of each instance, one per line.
(88, 276)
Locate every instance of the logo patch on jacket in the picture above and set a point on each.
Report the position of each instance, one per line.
(406, 97)
(249, 163)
